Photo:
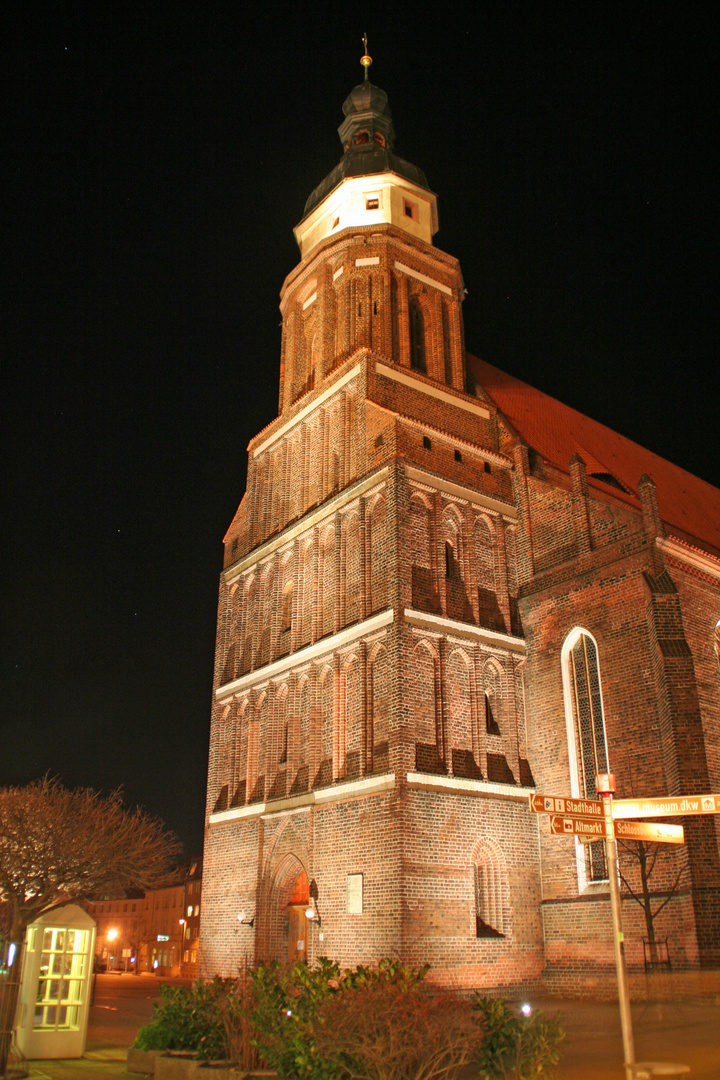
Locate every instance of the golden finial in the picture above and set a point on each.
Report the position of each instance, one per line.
(365, 60)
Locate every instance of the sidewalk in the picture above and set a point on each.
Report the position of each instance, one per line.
(685, 1031)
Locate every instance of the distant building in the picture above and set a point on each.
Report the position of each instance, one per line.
(193, 892)
(120, 933)
(158, 930)
(444, 590)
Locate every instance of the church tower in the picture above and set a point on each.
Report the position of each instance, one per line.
(368, 757)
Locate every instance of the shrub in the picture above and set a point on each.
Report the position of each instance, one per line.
(384, 1030)
(235, 1008)
(187, 1018)
(516, 1047)
(287, 1000)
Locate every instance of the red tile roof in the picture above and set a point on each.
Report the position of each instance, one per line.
(690, 507)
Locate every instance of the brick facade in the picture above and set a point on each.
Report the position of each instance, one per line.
(405, 583)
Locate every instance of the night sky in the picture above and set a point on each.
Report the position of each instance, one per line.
(156, 158)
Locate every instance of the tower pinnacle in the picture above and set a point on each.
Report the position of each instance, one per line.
(365, 60)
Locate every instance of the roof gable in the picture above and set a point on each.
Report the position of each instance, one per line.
(690, 507)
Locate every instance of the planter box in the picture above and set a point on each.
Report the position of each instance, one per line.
(166, 1065)
(220, 1070)
(223, 1070)
(142, 1061)
(176, 1066)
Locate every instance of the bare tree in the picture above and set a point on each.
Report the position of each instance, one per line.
(643, 857)
(59, 846)
(136, 934)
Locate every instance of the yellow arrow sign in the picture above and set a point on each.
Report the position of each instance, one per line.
(658, 832)
(568, 826)
(670, 806)
(564, 804)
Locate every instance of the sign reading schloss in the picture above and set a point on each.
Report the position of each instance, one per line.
(667, 806)
(554, 804)
(655, 832)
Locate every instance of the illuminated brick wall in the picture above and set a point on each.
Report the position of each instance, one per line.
(398, 583)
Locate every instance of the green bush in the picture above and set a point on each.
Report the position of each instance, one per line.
(378, 1023)
(286, 1003)
(516, 1047)
(188, 1018)
(286, 1000)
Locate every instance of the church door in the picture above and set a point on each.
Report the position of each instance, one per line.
(297, 923)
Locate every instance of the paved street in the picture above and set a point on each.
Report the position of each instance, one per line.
(687, 1031)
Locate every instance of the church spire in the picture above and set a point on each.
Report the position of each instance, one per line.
(367, 136)
(365, 60)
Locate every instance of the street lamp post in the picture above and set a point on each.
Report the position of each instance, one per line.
(111, 936)
(182, 946)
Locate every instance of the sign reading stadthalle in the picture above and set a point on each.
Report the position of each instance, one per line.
(666, 806)
(560, 804)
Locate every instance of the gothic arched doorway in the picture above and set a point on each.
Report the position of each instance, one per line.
(286, 923)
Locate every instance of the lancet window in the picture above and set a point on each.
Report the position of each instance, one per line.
(586, 730)
(418, 359)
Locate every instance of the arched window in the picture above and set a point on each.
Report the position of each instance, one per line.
(585, 721)
(488, 608)
(417, 338)
(451, 565)
(327, 580)
(282, 727)
(287, 600)
(491, 725)
(492, 909)
(229, 670)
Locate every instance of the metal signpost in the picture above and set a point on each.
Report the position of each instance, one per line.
(604, 819)
(606, 785)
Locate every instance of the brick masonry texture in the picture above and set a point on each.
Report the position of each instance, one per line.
(404, 583)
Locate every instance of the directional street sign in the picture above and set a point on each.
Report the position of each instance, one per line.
(658, 832)
(577, 826)
(665, 806)
(554, 804)
(672, 806)
(588, 829)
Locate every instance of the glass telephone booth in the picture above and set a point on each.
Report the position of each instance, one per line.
(55, 988)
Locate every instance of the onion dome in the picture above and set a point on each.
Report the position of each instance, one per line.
(367, 136)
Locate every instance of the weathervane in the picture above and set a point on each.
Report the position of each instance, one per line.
(365, 60)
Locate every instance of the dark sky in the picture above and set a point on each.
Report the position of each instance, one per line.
(156, 158)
